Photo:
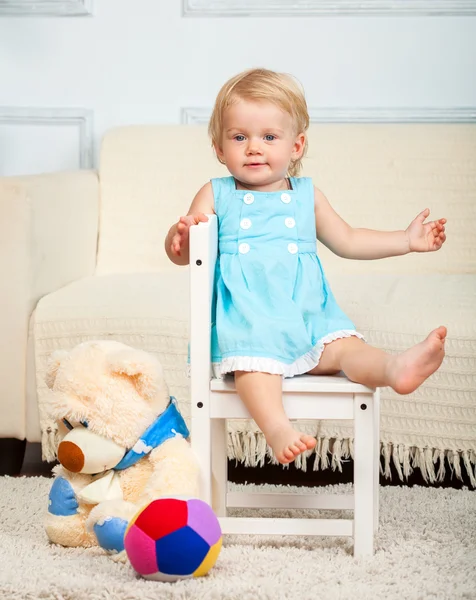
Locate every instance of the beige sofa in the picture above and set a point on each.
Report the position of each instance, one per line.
(83, 258)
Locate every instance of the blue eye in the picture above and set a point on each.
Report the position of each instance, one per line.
(269, 137)
(84, 424)
(240, 138)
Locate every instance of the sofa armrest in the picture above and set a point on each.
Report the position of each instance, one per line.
(48, 238)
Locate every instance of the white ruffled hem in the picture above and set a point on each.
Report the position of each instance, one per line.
(269, 365)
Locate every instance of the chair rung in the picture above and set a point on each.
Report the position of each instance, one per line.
(334, 406)
(301, 501)
(261, 526)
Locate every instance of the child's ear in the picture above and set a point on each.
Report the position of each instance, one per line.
(219, 153)
(299, 144)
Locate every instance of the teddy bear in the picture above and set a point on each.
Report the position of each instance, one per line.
(123, 443)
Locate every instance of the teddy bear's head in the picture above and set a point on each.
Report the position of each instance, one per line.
(107, 394)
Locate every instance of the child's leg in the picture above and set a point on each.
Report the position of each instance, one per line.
(370, 366)
(261, 393)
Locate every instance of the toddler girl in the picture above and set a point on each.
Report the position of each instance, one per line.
(275, 314)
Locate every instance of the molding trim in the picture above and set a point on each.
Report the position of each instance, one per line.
(315, 8)
(197, 115)
(79, 117)
(46, 8)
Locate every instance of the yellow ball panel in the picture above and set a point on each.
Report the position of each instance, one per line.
(133, 520)
(209, 560)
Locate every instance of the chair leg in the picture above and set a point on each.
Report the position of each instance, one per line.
(364, 475)
(219, 466)
(376, 401)
(200, 441)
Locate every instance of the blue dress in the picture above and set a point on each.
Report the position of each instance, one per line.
(274, 310)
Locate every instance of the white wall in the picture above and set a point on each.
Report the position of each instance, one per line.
(142, 61)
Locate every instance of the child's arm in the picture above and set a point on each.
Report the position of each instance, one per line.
(177, 240)
(350, 242)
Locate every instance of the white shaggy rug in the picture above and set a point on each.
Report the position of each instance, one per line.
(426, 548)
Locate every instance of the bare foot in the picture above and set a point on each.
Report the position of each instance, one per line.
(287, 443)
(408, 370)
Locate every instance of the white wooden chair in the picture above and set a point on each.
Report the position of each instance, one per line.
(305, 397)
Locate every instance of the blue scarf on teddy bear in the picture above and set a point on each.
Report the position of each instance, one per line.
(167, 425)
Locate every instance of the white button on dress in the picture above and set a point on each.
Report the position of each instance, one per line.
(292, 248)
(245, 223)
(248, 198)
(290, 222)
(244, 248)
(286, 198)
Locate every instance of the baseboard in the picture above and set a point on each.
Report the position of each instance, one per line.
(290, 475)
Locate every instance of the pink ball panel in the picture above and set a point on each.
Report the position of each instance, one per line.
(140, 549)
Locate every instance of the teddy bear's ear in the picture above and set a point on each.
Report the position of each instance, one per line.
(53, 365)
(144, 370)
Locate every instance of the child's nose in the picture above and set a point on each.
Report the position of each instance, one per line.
(253, 147)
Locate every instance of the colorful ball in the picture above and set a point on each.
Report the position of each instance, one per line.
(173, 538)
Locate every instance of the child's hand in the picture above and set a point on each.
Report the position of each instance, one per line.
(180, 239)
(425, 237)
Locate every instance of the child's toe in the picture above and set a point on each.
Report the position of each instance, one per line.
(295, 450)
(309, 442)
(288, 453)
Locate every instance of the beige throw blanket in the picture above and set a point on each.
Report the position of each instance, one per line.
(433, 429)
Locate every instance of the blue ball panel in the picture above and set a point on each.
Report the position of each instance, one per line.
(181, 552)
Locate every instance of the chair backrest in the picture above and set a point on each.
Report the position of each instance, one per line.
(375, 175)
(203, 255)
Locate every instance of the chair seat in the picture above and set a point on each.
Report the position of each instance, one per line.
(304, 397)
(303, 384)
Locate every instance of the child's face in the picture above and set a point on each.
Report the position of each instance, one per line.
(258, 144)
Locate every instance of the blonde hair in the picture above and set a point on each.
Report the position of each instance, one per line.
(258, 85)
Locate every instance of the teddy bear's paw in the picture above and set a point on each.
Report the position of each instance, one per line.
(110, 533)
(62, 500)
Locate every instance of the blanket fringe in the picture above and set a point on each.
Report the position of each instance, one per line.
(251, 449)
(50, 440)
